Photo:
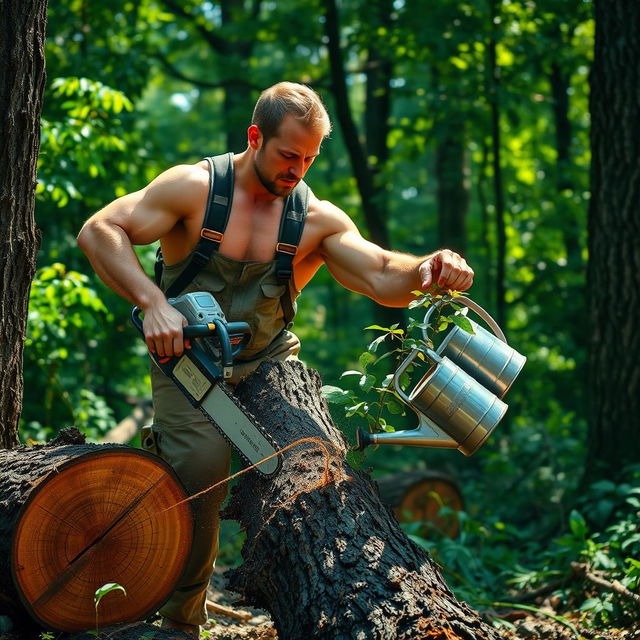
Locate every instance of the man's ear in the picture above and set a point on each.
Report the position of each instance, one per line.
(254, 136)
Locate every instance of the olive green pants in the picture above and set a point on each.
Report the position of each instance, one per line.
(200, 456)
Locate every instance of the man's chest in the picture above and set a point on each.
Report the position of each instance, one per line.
(251, 232)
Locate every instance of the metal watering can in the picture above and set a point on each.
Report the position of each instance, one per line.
(458, 399)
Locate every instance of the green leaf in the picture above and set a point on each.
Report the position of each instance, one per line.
(366, 382)
(589, 604)
(377, 327)
(464, 323)
(335, 395)
(351, 372)
(373, 346)
(395, 408)
(578, 525)
(421, 302)
(366, 359)
(106, 588)
(361, 406)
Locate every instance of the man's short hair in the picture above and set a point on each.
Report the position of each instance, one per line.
(299, 100)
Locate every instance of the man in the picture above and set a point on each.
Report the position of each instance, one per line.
(288, 126)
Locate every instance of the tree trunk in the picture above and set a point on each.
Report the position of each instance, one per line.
(453, 190)
(74, 517)
(501, 232)
(322, 554)
(235, 55)
(570, 225)
(614, 241)
(372, 191)
(22, 31)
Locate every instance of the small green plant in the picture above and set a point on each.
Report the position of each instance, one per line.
(101, 593)
(373, 398)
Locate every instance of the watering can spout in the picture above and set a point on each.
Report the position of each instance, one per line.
(425, 435)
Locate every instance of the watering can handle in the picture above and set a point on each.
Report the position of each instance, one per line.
(403, 367)
(474, 306)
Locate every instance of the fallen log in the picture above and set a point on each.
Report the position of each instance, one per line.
(323, 555)
(419, 496)
(76, 516)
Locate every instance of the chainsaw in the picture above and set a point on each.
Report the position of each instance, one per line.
(200, 373)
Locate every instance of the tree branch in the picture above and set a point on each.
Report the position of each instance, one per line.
(582, 570)
(204, 84)
(217, 43)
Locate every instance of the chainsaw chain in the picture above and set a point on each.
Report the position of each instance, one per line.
(251, 418)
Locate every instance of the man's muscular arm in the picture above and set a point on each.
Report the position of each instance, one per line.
(386, 276)
(142, 217)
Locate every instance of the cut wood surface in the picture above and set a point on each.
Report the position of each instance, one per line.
(74, 517)
(323, 555)
(419, 496)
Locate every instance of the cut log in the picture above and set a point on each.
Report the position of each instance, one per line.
(430, 496)
(323, 555)
(76, 516)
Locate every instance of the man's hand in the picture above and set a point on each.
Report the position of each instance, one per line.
(163, 330)
(446, 269)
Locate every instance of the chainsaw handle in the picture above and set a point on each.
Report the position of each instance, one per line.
(190, 331)
(135, 318)
(239, 328)
(198, 330)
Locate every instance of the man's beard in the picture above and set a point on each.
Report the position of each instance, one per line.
(270, 185)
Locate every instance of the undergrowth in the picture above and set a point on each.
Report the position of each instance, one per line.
(533, 533)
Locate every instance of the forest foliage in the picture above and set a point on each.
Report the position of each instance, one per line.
(459, 123)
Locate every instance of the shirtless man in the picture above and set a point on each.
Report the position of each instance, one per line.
(288, 126)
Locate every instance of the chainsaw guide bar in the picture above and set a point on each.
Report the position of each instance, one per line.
(200, 372)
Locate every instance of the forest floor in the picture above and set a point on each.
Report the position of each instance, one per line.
(527, 626)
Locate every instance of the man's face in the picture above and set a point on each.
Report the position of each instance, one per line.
(284, 159)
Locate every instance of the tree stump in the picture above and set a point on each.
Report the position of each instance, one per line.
(76, 516)
(419, 496)
(323, 555)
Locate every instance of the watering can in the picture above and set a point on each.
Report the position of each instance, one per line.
(458, 400)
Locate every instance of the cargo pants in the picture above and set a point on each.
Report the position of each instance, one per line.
(200, 457)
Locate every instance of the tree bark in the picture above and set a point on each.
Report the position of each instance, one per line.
(76, 516)
(494, 101)
(322, 554)
(22, 76)
(614, 241)
(453, 189)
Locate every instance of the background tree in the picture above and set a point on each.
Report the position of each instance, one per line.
(22, 76)
(614, 241)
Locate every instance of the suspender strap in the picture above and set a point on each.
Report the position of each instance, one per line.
(215, 221)
(291, 226)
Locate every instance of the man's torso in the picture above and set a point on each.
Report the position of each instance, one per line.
(252, 230)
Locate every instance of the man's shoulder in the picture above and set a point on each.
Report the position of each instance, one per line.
(181, 183)
(326, 214)
(192, 174)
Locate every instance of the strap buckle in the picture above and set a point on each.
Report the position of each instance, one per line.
(284, 275)
(284, 247)
(210, 234)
